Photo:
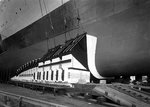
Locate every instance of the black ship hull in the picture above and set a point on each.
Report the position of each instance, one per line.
(121, 28)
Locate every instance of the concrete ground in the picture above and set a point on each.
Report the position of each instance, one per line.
(59, 99)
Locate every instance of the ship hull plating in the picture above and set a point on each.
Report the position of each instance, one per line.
(121, 28)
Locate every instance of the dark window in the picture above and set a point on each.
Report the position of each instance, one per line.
(43, 75)
(34, 76)
(52, 75)
(39, 75)
(47, 76)
(57, 75)
(63, 74)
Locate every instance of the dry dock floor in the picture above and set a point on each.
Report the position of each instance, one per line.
(59, 99)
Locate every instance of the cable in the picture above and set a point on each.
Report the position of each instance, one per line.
(47, 40)
(54, 42)
(48, 15)
(45, 6)
(46, 32)
(41, 7)
(65, 22)
(51, 24)
(78, 19)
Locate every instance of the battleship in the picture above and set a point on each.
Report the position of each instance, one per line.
(28, 29)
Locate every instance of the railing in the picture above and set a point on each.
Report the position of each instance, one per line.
(11, 100)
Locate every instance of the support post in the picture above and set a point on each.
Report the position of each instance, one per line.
(20, 102)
